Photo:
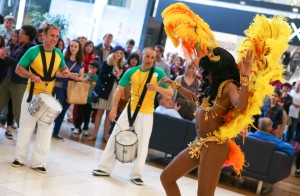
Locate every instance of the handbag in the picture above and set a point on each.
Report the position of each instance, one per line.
(77, 92)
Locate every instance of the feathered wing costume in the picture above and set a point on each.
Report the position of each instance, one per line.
(267, 38)
(188, 29)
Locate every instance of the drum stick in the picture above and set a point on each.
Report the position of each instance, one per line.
(118, 125)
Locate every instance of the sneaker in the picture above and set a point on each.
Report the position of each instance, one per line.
(137, 181)
(16, 164)
(76, 131)
(297, 173)
(41, 170)
(58, 137)
(85, 132)
(8, 135)
(98, 172)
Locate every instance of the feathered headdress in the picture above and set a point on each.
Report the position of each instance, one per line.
(188, 29)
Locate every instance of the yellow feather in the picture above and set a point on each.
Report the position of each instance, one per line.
(185, 27)
(268, 38)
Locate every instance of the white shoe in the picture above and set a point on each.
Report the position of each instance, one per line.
(85, 133)
(76, 131)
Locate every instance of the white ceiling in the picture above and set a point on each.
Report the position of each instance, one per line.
(286, 2)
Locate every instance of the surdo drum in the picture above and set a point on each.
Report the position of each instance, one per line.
(45, 108)
(126, 146)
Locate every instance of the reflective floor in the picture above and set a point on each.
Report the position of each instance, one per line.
(69, 173)
(70, 164)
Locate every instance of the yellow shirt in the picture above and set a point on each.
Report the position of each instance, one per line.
(33, 59)
(138, 78)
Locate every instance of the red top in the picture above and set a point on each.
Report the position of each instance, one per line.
(87, 59)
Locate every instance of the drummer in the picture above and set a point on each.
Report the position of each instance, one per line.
(41, 77)
(143, 123)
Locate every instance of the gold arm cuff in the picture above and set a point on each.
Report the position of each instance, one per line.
(244, 80)
(175, 85)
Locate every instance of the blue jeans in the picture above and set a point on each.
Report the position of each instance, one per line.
(61, 95)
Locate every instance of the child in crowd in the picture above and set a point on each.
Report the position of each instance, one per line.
(84, 111)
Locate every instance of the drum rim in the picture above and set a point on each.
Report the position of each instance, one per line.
(137, 139)
(128, 144)
(49, 95)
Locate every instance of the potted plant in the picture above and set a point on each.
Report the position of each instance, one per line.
(37, 19)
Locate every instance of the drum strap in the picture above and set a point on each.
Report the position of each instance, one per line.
(131, 119)
(47, 73)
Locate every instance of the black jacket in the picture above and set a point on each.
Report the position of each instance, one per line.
(12, 61)
(106, 81)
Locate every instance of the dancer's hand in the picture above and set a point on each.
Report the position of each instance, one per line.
(152, 87)
(165, 80)
(246, 63)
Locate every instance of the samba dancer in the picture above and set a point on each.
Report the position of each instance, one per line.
(222, 81)
(144, 120)
(41, 79)
(229, 95)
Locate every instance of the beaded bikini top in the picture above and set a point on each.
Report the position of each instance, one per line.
(207, 107)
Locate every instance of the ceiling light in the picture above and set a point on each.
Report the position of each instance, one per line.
(295, 9)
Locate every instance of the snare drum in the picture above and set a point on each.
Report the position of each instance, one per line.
(45, 108)
(126, 146)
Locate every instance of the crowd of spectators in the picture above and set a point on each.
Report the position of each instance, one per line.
(105, 64)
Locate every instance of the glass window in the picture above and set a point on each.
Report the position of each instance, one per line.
(119, 3)
(86, 1)
(10, 8)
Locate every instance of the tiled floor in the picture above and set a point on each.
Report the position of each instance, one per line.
(69, 173)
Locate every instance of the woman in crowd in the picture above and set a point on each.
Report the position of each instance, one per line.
(177, 68)
(14, 41)
(74, 60)
(189, 81)
(11, 84)
(110, 72)
(88, 56)
(82, 40)
(8, 50)
(132, 61)
(60, 44)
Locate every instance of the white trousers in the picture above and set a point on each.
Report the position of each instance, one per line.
(25, 132)
(143, 127)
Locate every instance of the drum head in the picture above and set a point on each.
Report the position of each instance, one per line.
(50, 101)
(126, 138)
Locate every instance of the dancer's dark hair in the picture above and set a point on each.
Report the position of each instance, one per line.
(224, 69)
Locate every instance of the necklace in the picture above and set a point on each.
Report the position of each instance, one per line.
(140, 84)
(207, 107)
